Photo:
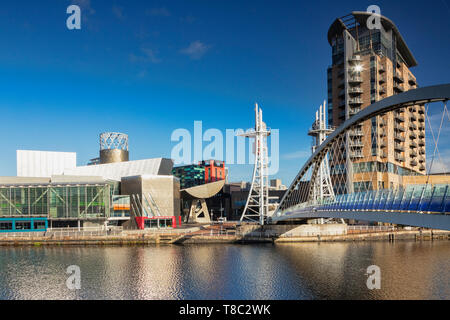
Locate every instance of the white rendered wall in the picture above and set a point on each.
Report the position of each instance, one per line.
(44, 163)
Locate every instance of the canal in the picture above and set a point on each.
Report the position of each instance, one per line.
(409, 270)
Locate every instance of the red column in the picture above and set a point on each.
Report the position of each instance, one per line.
(140, 222)
(174, 222)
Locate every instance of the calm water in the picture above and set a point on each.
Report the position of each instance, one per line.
(409, 270)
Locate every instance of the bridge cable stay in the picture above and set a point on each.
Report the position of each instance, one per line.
(436, 140)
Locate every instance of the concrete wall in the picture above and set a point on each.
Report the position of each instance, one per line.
(303, 230)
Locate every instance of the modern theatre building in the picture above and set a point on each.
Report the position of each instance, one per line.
(50, 191)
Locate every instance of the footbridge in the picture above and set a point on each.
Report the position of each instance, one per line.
(405, 181)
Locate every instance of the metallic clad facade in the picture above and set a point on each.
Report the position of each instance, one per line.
(115, 171)
(113, 156)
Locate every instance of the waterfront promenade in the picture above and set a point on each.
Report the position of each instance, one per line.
(216, 233)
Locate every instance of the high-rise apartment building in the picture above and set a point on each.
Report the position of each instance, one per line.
(369, 65)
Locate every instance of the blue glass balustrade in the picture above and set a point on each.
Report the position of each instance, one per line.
(441, 195)
(415, 198)
(425, 199)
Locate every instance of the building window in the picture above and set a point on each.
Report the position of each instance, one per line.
(6, 225)
(374, 136)
(23, 225)
(39, 225)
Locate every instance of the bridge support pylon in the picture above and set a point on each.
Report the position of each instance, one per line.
(257, 205)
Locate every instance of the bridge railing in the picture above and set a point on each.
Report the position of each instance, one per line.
(415, 198)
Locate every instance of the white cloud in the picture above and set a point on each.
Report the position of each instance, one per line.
(85, 6)
(300, 154)
(149, 55)
(158, 12)
(188, 19)
(118, 12)
(195, 50)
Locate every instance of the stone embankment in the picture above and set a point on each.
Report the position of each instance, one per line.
(225, 234)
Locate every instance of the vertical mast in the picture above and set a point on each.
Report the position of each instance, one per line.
(257, 205)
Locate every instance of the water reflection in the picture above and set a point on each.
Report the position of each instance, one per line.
(410, 270)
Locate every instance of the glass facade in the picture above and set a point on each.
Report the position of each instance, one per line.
(56, 202)
(23, 224)
(190, 176)
(121, 206)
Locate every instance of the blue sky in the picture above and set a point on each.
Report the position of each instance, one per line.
(147, 68)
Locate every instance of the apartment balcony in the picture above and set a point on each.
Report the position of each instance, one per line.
(413, 163)
(398, 88)
(421, 119)
(422, 168)
(381, 90)
(412, 145)
(398, 65)
(421, 143)
(356, 133)
(354, 111)
(421, 160)
(355, 90)
(381, 68)
(399, 158)
(382, 133)
(355, 58)
(421, 135)
(412, 117)
(412, 135)
(412, 109)
(355, 79)
(356, 154)
(383, 144)
(382, 122)
(413, 154)
(421, 110)
(399, 147)
(355, 101)
(381, 79)
(356, 144)
(399, 118)
(421, 127)
(398, 77)
(422, 151)
(411, 80)
(412, 126)
(398, 137)
(399, 127)
(383, 155)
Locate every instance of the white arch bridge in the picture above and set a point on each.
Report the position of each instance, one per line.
(381, 172)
